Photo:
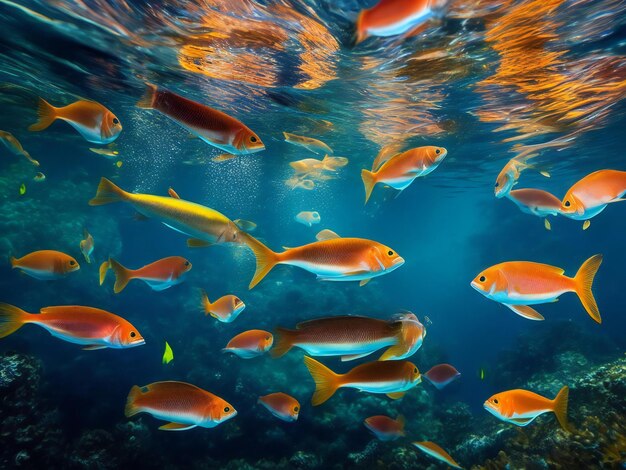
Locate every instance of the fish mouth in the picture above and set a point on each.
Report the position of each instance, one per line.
(137, 342)
(441, 156)
(476, 286)
(399, 261)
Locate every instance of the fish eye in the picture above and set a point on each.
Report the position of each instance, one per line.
(186, 263)
(438, 151)
(567, 203)
(296, 409)
(253, 139)
(133, 334)
(235, 236)
(116, 121)
(226, 409)
(72, 262)
(495, 401)
(267, 338)
(415, 370)
(497, 184)
(482, 279)
(390, 253)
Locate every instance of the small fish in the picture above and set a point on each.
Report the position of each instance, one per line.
(432, 449)
(590, 196)
(119, 163)
(333, 163)
(281, 405)
(385, 428)
(93, 121)
(87, 245)
(393, 378)
(308, 218)
(223, 157)
(354, 337)
(535, 202)
(245, 225)
(296, 182)
(338, 259)
(249, 344)
(212, 126)
(39, 177)
(168, 354)
(105, 152)
(312, 145)
(206, 226)
(510, 173)
(185, 406)
(481, 374)
(46, 264)
(225, 309)
(395, 18)
(22, 189)
(521, 407)
(15, 146)
(159, 275)
(402, 169)
(442, 375)
(518, 284)
(87, 326)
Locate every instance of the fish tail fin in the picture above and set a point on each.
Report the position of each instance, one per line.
(13, 261)
(104, 268)
(360, 34)
(206, 303)
(11, 319)
(107, 193)
(266, 259)
(283, 342)
(560, 408)
(131, 408)
(46, 115)
(402, 422)
(368, 181)
(147, 100)
(122, 275)
(584, 280)
(326, 381)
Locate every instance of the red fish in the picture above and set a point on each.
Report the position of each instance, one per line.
(441, 375)
(212, 126)
(385, 428)
(225, 309)
(46, 264)
(87, 326)
(251, 343)
(281, 405)
(160, 275)
(185, 406)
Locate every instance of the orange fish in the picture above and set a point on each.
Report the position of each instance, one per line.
(590, 196)
(92, 120)
(212, 126)
(535, 202)
(90, 327)
(281, 405)
(334, 259)
(508, 176)
(354, 337)
(432, 449)
(251, 343)
(86, 245)
(385, 428)
(393, 378)
(225, 309)
(46, 264)
(395, 18)
(160, 275)
(185, 406)
(400, 170)
(518, 284)
(521, 407)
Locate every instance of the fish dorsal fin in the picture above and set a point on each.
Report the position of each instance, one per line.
(396, 395)
(326, 234)
(386, 153)
(553, 269)
(173, 193)
(197, 243)
(73, 309)
(177, 427)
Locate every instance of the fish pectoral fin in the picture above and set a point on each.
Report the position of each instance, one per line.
(173, 193)
(526, 312)
(394, 352)
(176, 427)
(197, 243)
(396, 395)
(363, 282)
(93, 347)
(521, 421)
(352, 357)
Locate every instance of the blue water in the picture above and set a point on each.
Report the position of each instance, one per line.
(448, 225)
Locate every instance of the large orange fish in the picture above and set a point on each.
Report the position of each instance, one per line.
(45, 264)
(521, 407)
(92, 120)
(87, 326)
(212, 126)
(590, 196)
(334, 259)
(385, 428)
(281, 405)
(160, 275)
(251, 343)
(393, 378)
(518, 284)
(395, 17)
(354, 337)
(400, 170)
(185, 406)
